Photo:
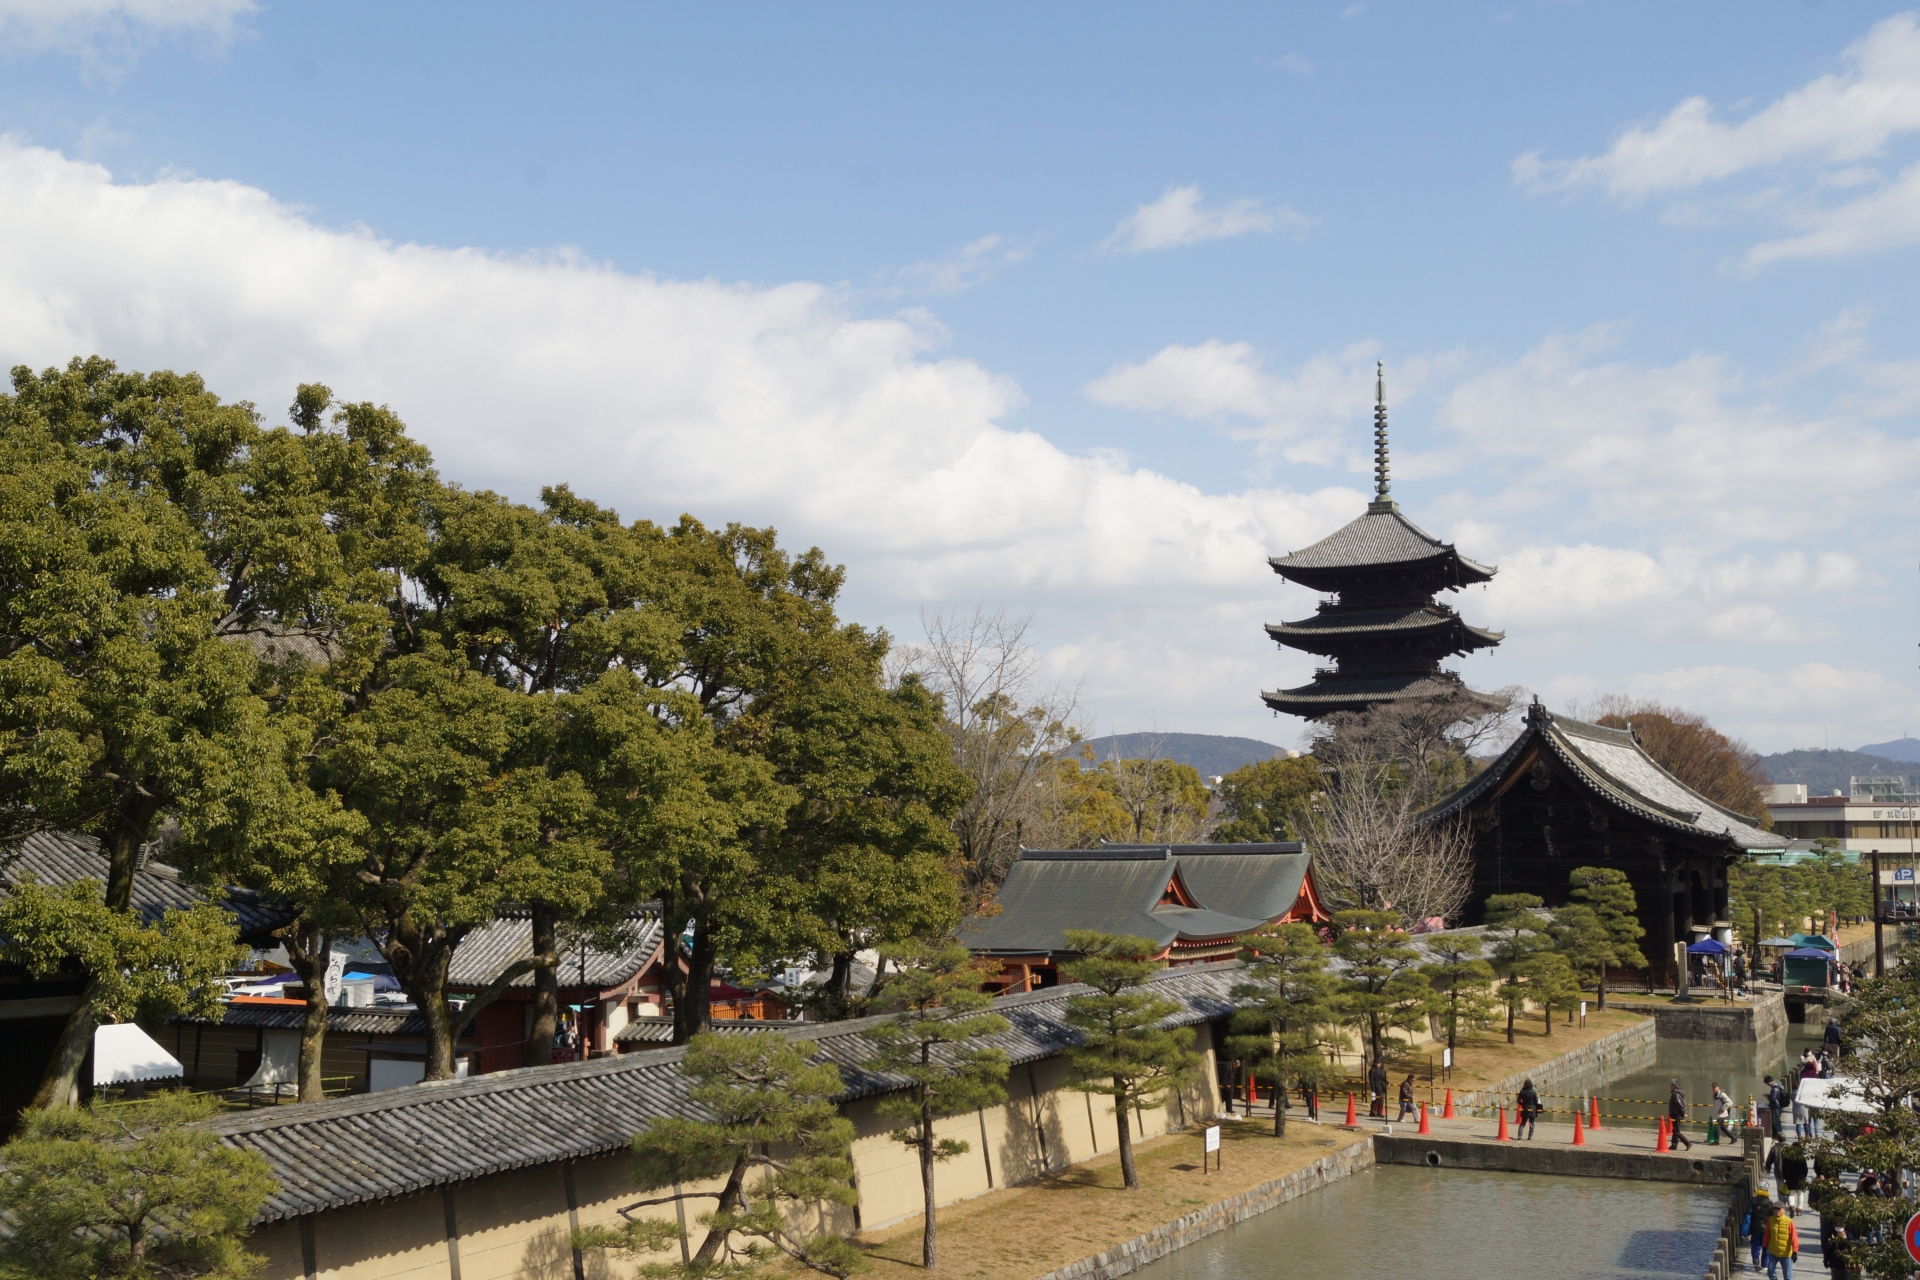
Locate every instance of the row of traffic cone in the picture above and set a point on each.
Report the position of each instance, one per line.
(1579, 1131)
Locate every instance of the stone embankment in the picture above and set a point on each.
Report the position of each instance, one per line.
(1744, 1022)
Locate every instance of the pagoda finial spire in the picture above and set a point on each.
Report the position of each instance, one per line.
(1381, 486)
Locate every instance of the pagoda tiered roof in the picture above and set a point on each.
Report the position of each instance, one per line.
(1383, 538)
(1383, 629)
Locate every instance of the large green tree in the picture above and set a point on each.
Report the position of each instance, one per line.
(1124, 1054)
(930, 1043)
(128, 1191)
(1269, 799)
(1382, 984)
(1518, 929)
(1287, 997)
(1608, 893)
(129, 576)
(1459, 976)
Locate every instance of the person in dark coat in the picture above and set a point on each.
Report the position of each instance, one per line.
(1529, 1108)
(1377, 1090)
(1310, 1090)
(1776, 1103)
(1832, 1037)
(1793, 1177)
(1677, 1113)
(1406, 1099)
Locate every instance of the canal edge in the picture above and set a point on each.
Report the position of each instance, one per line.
(1153, 1245)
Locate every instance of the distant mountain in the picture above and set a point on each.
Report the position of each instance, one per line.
(1906, 750)
(1210, 753)
(1825, 772)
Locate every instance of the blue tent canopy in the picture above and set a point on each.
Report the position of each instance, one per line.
(1707, 947)
(1807, 953)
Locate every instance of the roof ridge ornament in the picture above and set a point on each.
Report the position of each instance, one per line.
(1382, 502)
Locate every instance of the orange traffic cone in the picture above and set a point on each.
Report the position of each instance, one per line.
(1594, 1121)
(1579, 1138)
(1660, 1144)
(1502, 1135)
(1424, 1126)
(1447, 1112)
(1352, 1119)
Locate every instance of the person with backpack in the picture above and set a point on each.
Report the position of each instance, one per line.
(1754, 1226)
(1793, 1177)
(1529, 1108)
(1776, 1103)
(1783, 1243)
(1677, 1113)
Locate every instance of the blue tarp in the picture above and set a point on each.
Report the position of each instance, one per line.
(1707, 947)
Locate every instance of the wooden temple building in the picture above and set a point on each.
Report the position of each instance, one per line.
(1568, 794)
(1382, 628)
(1191, 900)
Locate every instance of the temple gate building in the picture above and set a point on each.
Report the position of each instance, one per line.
(1383, 629)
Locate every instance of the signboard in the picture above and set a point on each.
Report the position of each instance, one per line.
(1213, 1139)
(1446, 1058)
(336, 970)
(1583, 1008)
(1903, 874)
(1912, 1237)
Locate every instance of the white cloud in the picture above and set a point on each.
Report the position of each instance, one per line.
(774, 404)
(1887, 219)
(1178, 218)
(1837, 118)
(972, 264)
(84, 25)
(1295, 63)
(1773, 710)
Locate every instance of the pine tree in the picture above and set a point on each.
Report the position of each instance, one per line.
(761, 1094)
(1460, 977)
(1289, 994)
(1519, 934)
(1383, 984)
(1609, 893)
(128, 1191)
(1124, 1053)
(928, 1045)
(1551, 982)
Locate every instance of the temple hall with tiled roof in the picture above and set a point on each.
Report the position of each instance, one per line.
(1383, 630)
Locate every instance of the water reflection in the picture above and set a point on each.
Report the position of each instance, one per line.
(1697, 1064)
(1490, 1226)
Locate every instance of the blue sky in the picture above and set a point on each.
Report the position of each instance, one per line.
(1071, 308)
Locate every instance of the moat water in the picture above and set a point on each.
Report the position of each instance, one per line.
(1413, 1222)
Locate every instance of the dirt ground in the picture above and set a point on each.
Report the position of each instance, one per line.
(1018, 1233)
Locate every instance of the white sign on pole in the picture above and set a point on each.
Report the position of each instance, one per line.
(1583, 1008)
(1446, 1058)
(1213, 1138)
(336, 970)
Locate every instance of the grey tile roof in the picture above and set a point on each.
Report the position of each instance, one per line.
(1329, 692)
(660, 1030)
(1399, 620)
(286, 1017)
(1117, 889)
(343, 1151)
(1380, 539)
(1613, 765)
(488, 950)
(61, 857)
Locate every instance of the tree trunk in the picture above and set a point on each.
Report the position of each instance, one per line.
(63, 1070)
(729, 1201)
(1279, 1099)
(693, 1007)
(926, 1172)
(546, 988)
(1513, 1008)
(311, 953)
(420, 958)
(838, 1004)
(122, 848)
(1603, 986)
(1127, 1171)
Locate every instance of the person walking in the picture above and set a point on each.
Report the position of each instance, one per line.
(1720, 1118)
(1406, 1098)
(1529, 1108)
(1832, 1036)
(1759, 1214)
(1793, 1177)
(1677, 1112)
(1776, 1103)
(1310, 1090)
(1377, 1090)
(1783, 1244)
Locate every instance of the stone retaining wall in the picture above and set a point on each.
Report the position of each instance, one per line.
(1746, 1023)
(1162, 1240)
(1569, 1162)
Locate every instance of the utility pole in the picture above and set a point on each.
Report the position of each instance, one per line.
(1879, 942)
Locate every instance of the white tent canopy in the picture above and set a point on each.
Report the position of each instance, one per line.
(124, 1054)
(1835, 1094)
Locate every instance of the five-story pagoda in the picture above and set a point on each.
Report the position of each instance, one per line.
(1383, 629)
